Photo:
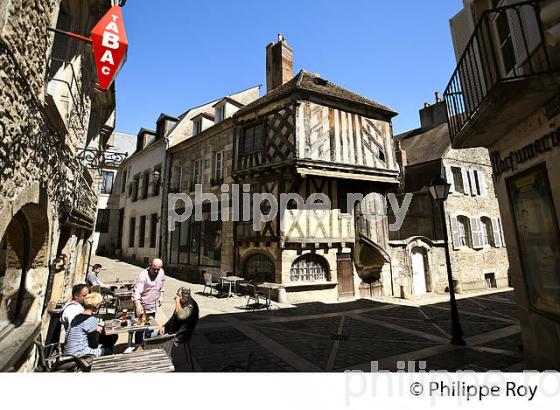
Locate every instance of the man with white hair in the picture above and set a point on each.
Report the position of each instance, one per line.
(148, 292)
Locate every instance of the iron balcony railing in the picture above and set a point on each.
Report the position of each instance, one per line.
(507, 45)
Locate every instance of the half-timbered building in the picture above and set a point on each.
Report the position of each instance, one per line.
(309, 136)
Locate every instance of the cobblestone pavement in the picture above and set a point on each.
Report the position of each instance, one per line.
(346, 335)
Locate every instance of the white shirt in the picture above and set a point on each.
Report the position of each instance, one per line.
(71, 310)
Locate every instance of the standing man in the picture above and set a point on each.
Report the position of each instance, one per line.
(148, 292)
(92, 278)
(75, 306)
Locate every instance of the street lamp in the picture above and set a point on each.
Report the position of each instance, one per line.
(439, 189)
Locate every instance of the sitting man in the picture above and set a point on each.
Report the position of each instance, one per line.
(85, 334)
(92, 278)
(75, 306)
(185, 317)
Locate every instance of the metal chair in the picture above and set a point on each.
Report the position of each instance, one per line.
(209, 281)
(164, 342)
(266, 295)
(51, 359)
(250, 280)
(254, 294)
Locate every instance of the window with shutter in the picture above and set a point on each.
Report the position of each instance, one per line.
(482, 182)
(466, 187)
(487, 234)
(458, 179)
(449, 178)
(501, 229)
(496, 229)
(465, 234)
(455, 232)
(477, 240)
(475, 186)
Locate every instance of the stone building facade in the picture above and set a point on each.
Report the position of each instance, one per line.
(138, 194)
(202, 155)
(507, 100)
(50, 109)
(477, 248)
(106, 234)
(144, 180)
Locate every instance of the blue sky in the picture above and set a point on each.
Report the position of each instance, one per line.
(184, 53)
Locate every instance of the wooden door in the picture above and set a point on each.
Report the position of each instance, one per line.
(344, 267)
(418, 272)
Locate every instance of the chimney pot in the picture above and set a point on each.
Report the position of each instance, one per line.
(426, 104)
(438, 97)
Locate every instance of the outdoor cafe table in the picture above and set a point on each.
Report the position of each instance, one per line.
(231, 281)
(268, 286)
(131, 329)
(146, 361)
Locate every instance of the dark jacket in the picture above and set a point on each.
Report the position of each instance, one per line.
(185, 320)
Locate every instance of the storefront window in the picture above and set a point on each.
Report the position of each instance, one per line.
(211, 243)
(537, 237)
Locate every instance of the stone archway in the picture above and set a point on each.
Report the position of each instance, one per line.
(420, 270)
(309, 268)
(259, 267)
(420, 266)
(23, 265)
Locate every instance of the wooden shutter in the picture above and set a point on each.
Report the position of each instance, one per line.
(497, 232)
(466, 187)
(482, 182)
(472, 182)
(476, 229)
(449, 178)
(455, 232)
(501, 231)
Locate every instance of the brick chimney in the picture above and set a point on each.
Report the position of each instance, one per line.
(401, 156)
(279, 63)
(434, 115)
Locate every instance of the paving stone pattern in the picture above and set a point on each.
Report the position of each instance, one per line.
(349, 334)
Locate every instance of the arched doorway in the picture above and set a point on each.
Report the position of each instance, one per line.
(420, 274)
(309, 268)
(259, 267)
(23, 252)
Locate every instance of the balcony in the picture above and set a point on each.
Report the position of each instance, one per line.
(505, 73)
(317, 226)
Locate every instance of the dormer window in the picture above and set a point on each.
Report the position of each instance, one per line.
(220, 113)
(225, 108)
(197, 126)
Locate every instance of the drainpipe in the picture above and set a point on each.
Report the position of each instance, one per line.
(164, 204)
(90, 241)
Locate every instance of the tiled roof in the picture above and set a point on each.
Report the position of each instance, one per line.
(306, 81)
(424, 146)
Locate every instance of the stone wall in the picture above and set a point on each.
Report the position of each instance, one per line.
(469, 265)
(204, 148)
(39, 172)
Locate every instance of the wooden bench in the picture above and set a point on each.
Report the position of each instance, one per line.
(147, 361)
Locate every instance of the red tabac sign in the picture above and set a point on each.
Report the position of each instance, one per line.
(109, 46)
